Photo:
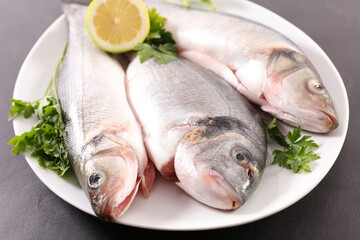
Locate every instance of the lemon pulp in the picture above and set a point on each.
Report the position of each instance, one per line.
(117, 25)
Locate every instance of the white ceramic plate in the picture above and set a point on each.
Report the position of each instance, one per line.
(168, 207)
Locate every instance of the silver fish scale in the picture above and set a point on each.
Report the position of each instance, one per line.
(168, 89)
(87, 75)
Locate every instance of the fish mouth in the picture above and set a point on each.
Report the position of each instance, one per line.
(252, 172)
(333, 122)
(114, 203)
(112, 198)
(238, 194)
(317, 120)
(231, 193)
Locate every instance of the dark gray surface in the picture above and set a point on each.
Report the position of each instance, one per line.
(29, 210)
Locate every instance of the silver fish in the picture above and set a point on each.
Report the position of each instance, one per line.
(104, 139)
(264, 65)
(199, 129)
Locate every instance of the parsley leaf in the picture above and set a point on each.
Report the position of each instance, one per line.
(159, 43)
(274, 132)
(186, 3)
(210, 4)
(165, 53)
(19, 107)
(45, 139)
(207, 2)
(295, 155)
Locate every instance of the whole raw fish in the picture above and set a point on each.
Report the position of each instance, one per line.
(199, 129)
(104, 139)
(261, 63)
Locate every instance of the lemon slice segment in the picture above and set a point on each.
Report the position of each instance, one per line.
(117, 25)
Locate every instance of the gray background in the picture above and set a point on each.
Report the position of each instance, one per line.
(29, 210)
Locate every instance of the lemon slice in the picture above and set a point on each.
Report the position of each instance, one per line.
(117, 25)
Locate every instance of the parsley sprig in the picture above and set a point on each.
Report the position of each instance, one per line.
(207, 2)
(296, 153)
(45, 139)
(159, 42)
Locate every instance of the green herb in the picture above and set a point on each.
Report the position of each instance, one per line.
(45, 139)
(296, 153)
(159, 43)
(21, 107)
(207, 2)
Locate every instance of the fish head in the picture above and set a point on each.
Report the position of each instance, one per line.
(295, 89)
(111, 181)
(218, 165)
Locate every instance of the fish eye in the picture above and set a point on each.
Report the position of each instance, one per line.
(238, 156)
(95, 180)
(316, 87)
